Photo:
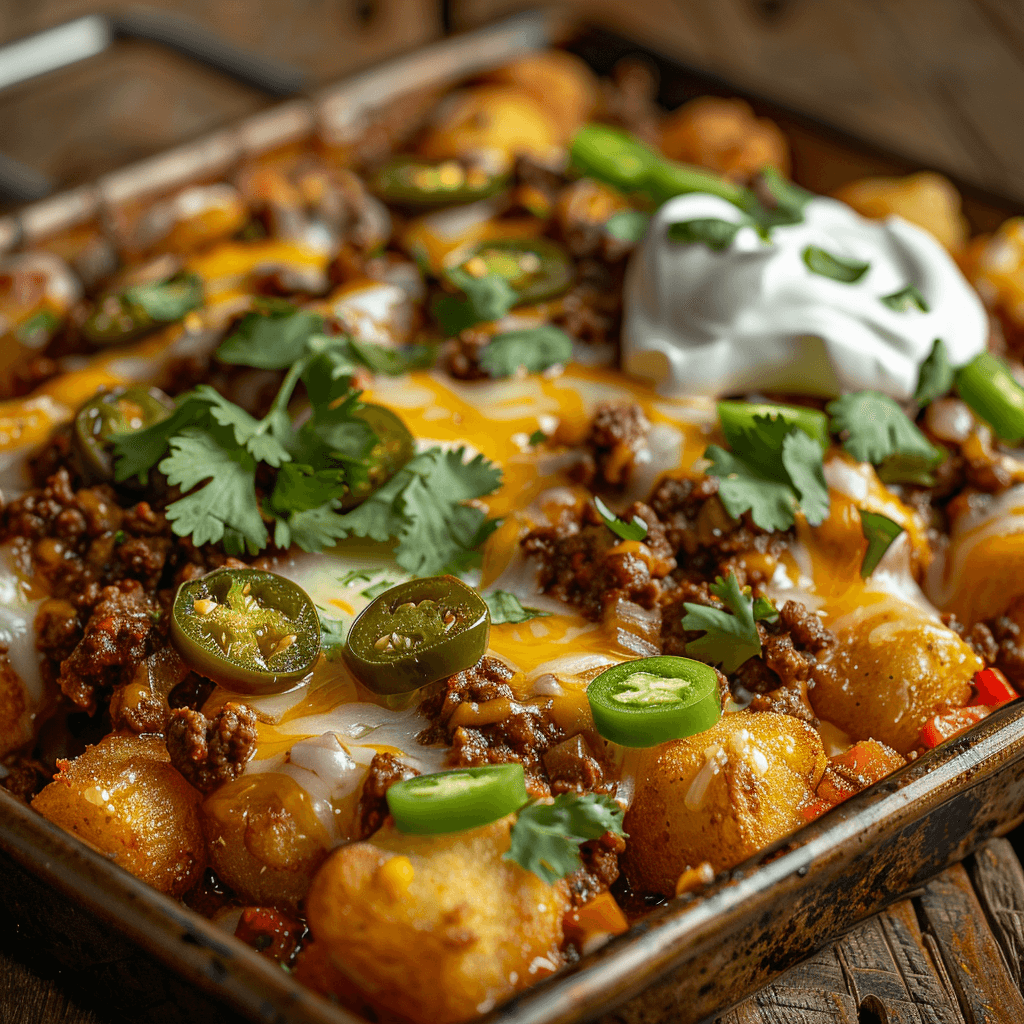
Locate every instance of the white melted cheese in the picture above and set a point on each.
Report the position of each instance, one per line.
(753, 317)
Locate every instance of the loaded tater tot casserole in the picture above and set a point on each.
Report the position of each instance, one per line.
(424, 556)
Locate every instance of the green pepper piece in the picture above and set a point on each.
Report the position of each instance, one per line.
(249, 630)
(666, 179)
(133, 312)
(457, 800)
(652, 700)
(416, 633)
(612, 156)
(114, 412)
(535, 268)
(738, 417)
(409, 181)
(393, 449)
(992, 392)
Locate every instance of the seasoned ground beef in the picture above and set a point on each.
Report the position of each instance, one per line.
(115, 640)
(372, 809)
(600, 868)
(1000, 641)
(585, 565)
(476, 712)
(211, 752)
(572, 768)
(617, 435)
(23, 776)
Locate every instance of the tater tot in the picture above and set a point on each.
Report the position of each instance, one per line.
(560, 82)
(124, 798)
(435, 928)
(719, 796)
(927, 199)
(892, 667)
(496, 120)
(725, 136)
(264, 839)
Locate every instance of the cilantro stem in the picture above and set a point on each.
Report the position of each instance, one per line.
(284, 394)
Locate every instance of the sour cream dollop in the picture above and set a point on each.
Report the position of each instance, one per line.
(754, 317)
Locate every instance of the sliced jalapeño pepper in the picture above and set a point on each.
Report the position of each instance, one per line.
(249, 630)
(738, 417)
(652, 700)
(394, 448)
(133, 312)
(535, 268)
(610, 155)
(990, 389)
(409, 181)
(457, 800)
(416, 633)
(114, 412)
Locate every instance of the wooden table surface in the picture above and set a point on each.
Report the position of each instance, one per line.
(952, 953)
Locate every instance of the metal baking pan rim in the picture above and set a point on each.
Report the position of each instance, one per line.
(680, 933)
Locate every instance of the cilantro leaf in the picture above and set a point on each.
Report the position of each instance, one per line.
(224, 508)
(838, 268)
(879, 531)
(422, 505)
(742, 488)
(801, 457)
(271, 339)
(332, 635)
(715, 233)
(535, 349)
(486, 298)
(37, 329)
(537, 437)
(393, 362)
(635, 529)
(167, 300)
(906, 299)
(299, 488)
(878, 431)
(730, 637)
(546, 838)
(505, 607)
(627, 225)
(936, 377)
(311, 529)
(377, 589)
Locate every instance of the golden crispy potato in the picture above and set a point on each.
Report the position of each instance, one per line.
(560, 82)
(124, 798)
(725, 136)
(995, 266)
(495, 119)
(893, 666)
(719, 796)
(264, 838)
(435, 928)
(926, 199)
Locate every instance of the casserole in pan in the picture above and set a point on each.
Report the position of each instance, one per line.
(408, 756)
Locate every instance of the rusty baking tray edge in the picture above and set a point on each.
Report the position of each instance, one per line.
(689, 958)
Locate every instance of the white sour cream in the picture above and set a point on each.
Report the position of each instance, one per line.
(753, 317)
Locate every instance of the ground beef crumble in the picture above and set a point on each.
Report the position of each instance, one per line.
(210, 752)
(587, 566)
(372, 808)
(617, 435)
(1000, 641)
(600, 868)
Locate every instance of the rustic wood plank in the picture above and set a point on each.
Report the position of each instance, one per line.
(999, 884)
(27, 998)
(890, 971)
(986, 992)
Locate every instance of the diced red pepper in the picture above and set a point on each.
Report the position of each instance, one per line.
(269, 932)
(993, 688)
(939, 728)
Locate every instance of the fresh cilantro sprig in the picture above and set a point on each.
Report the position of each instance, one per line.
(546, 838)
(936, 377)
(535, 349)
(773, 469)
(876, 430)
(212, 449)
(505, 607)
(484, 298)
(635, 529)
(879, 531)
(730, 637)
(332, 635)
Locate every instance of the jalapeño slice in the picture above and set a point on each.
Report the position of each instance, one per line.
(416, 633)
(457, 800)
(410, 181)
(249, 630)
(394, 448)
(114, 412)
(738, 417)
(133, 312)
(990, 389)
(613, 156)
(652, 700)
(535, 268)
